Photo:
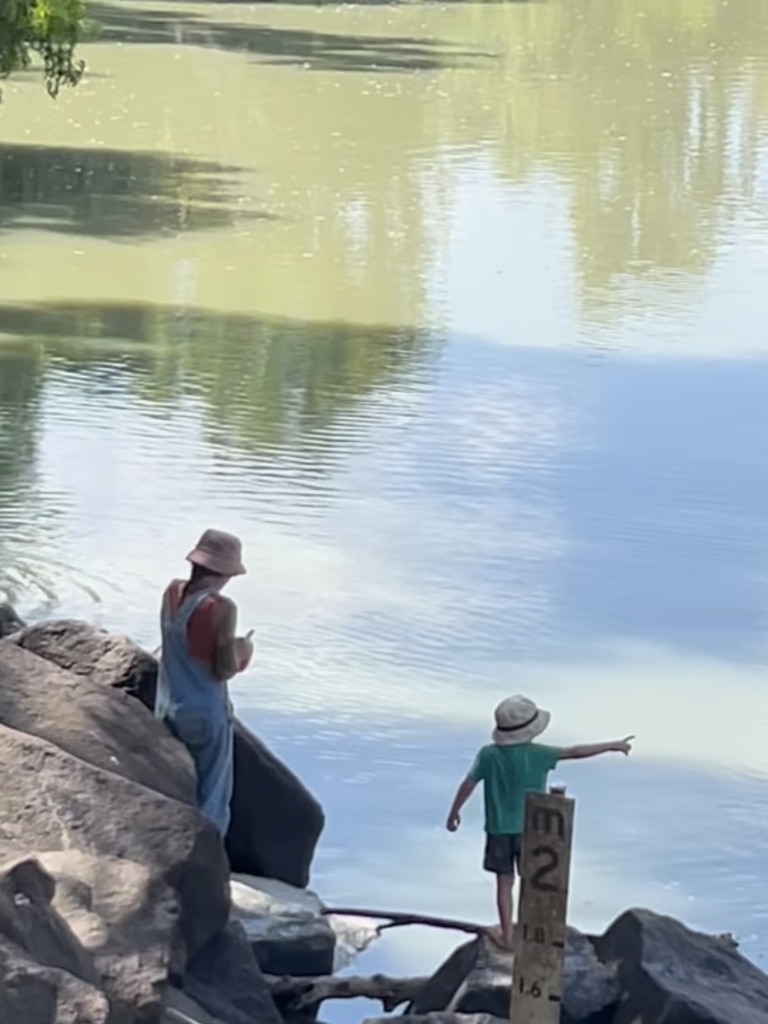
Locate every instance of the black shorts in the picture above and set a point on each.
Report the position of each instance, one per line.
(502, 854)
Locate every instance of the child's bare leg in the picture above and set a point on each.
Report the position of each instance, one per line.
(504, 885)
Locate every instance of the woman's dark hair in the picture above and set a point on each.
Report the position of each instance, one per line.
(198, 573)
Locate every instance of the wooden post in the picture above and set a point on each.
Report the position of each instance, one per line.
(537, 973)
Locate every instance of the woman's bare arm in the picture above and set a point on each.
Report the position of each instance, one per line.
(225, 664)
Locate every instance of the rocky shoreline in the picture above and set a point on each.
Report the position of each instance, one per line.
(118, 904)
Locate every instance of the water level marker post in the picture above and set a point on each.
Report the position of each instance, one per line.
(539, 938)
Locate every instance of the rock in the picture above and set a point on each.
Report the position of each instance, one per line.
(101, 657)
(31, 993)
(179, 1008)
(46, 977)
(285, 927)
(591, 992)
(225, 979)
(476, 979)
(439, 992)
(95, 723)
(52, 801)
(9, 620)
(125, 917)
(30, 922)
(672, 974)
(487, 986)
(276, 822)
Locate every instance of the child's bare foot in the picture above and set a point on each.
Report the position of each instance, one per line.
(497, 936)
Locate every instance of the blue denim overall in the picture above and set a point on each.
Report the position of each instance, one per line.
(197, 709)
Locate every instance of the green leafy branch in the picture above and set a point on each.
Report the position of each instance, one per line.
(50, 29)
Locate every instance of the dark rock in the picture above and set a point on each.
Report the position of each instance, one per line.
(477, 978)
(179, 1008)
(31, 993)
(276, 822)
(285, 927)
(9, 621)
(672, 974)
(439, 992)
(591, 990)
(487, 987)
(224, 978)
(126, 920)
(298, 950)
(95, 723)
(29, 921)
(101, 657)
(46, 977)
(52, 801)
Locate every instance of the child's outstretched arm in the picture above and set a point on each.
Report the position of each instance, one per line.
(463, 793)
(596, 749)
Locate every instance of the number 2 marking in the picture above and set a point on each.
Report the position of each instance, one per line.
(540, 874)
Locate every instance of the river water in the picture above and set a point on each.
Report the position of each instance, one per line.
(457, 314)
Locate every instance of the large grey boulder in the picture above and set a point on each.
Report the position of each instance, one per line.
(53, 801)
(31, 993)
(96, 723)
(29, 920)
(45, 975)
(477, 979)
(103, 658)
(670, 973)
(125, 918)
(276, 822)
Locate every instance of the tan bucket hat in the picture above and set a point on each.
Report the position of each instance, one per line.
(218, 552)
(519, 720)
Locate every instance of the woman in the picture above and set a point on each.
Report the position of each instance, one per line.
(200, 654)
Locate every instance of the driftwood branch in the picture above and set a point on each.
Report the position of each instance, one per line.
(399, 920)
(305, 993)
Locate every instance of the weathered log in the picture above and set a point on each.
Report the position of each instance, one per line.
(304, 993)
(395, 919)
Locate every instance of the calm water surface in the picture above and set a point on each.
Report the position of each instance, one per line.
(457, 313)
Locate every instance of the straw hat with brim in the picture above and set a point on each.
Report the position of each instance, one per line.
(518, 720)
(219, 552)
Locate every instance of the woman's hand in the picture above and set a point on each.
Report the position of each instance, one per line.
(243, 652)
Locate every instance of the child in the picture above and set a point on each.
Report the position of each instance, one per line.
(509, 768)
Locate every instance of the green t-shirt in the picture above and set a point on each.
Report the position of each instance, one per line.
(507, 774)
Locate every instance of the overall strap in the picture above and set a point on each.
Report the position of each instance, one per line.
(178, 623)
